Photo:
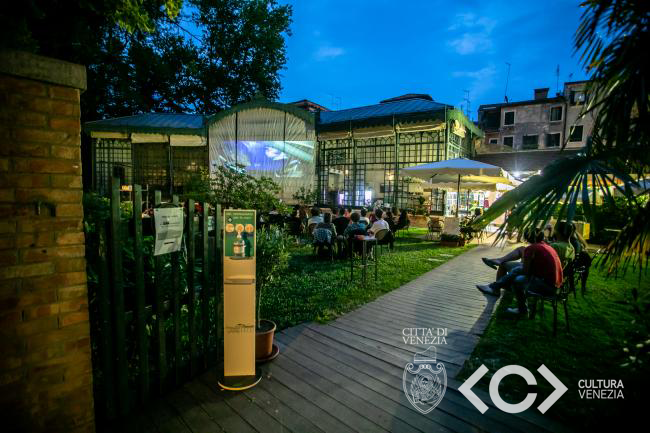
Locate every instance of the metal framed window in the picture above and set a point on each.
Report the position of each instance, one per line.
(553, 140)
(187, 161)
(555, 114)
(151, 165)
(576, 133)
(111, 155)
(530, 141)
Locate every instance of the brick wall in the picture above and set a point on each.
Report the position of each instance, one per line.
(45, 366)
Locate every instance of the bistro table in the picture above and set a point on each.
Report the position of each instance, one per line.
(365, 240)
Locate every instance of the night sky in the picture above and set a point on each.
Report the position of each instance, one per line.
(345, 54)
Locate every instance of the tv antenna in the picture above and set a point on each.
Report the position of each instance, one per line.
(557, 79)
(466, 99)
(505, 94)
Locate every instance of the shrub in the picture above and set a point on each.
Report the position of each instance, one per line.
(272, 260)
(448, 237)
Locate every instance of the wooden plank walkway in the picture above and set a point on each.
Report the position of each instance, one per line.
(346, 376)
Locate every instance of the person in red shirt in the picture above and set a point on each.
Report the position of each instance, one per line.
(541, 273)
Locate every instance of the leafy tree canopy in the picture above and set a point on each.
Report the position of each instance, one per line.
(158, 55)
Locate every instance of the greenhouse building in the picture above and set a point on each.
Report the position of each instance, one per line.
(362, 150)
(266, 139)
(161, 151)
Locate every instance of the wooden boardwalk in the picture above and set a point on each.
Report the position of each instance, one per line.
(346, 376)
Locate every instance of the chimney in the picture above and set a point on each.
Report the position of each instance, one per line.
(541, 93)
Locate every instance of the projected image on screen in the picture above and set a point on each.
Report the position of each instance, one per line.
(279, 159)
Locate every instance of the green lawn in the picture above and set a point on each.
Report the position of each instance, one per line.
(315, 289)
(607, 341)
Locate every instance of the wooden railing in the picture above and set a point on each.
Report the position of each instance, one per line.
(155, 320)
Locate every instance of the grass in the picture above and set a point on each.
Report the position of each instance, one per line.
(315, 289)
(607, 341)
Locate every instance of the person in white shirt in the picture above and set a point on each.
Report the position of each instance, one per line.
(316, 217)
(382, 224)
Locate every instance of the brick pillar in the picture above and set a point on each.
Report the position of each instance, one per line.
(45, 367)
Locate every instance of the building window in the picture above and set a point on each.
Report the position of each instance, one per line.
(556, 114)
(494, 141)
(509, 118)
(577, 97)
(492, 119)
(576, 133)
(508, 141)
(529, 142)
(553, 140)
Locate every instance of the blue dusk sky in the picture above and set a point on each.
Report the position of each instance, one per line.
(345, 54)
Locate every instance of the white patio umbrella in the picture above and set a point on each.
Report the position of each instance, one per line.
(478, 175)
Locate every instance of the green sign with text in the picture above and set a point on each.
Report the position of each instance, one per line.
(239, 236)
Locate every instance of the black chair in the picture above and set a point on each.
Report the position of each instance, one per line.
(381, 238)
(560, 296)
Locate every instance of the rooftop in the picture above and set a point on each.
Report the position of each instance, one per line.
(384, 109)
(527, 102)
(156, 122)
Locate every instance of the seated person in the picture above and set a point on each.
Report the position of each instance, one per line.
(316, 217)
(381, 224)
(372, 217)
(562, 233)
(507, 263)
(340, 222)
(403, 220)
(541, 273)
(363, 217)
(295, 223)
(390, 219)
(509, 266)
(324, 233)
(327, 224)
(355, 227)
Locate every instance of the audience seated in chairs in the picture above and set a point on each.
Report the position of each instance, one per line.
(582, 262)
(324, 236)
(403, 221)
(381, 229)
(341, 223)
(390, 219)
(295, 224)
(356, 227)
(540, 271)
(364, 218)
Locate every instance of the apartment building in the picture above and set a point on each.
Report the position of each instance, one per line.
(524, 136)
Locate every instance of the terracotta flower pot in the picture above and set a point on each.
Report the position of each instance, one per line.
(264, 339)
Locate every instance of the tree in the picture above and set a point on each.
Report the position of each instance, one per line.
(612, 37)
(151, 55)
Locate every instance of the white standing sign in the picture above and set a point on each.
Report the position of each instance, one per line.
(169, 229)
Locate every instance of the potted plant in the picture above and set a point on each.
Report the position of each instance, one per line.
(272, 260)
(450, 240)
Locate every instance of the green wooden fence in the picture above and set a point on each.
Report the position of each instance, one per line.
(155, 321)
